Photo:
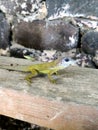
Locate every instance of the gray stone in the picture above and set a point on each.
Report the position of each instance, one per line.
(40, 35)
(26, 10)
(61, 8)
(4, 35)
(89, 42)
(95, 58)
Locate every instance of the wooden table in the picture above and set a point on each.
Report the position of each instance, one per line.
(71, 104)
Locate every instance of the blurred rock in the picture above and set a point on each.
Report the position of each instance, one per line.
(4, 35)
(26, 10)
(89, 42)
(20, 52)
(45, 35)
(84, 60)
(61, 8)
(95, 58)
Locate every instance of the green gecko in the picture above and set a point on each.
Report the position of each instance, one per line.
(47, 68)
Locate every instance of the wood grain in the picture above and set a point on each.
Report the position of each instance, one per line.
(70, 104)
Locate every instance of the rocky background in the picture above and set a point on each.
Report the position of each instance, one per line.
(62, 26)
(47, 29)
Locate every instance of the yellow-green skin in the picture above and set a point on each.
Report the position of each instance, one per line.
(47, 68)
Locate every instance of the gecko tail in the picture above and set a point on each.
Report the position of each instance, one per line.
(12, 67)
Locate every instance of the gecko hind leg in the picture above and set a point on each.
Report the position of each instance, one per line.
(33, 73)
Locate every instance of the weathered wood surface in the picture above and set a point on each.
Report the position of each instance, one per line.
(71, 104)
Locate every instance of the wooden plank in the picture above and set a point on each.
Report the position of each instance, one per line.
(70, 104)
(47, 113)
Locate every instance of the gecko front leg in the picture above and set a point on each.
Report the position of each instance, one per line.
(52, 72)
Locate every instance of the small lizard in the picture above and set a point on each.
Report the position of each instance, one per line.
(47, 68)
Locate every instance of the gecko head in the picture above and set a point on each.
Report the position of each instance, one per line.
(67, 61)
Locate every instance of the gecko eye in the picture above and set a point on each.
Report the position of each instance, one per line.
(66, 59)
